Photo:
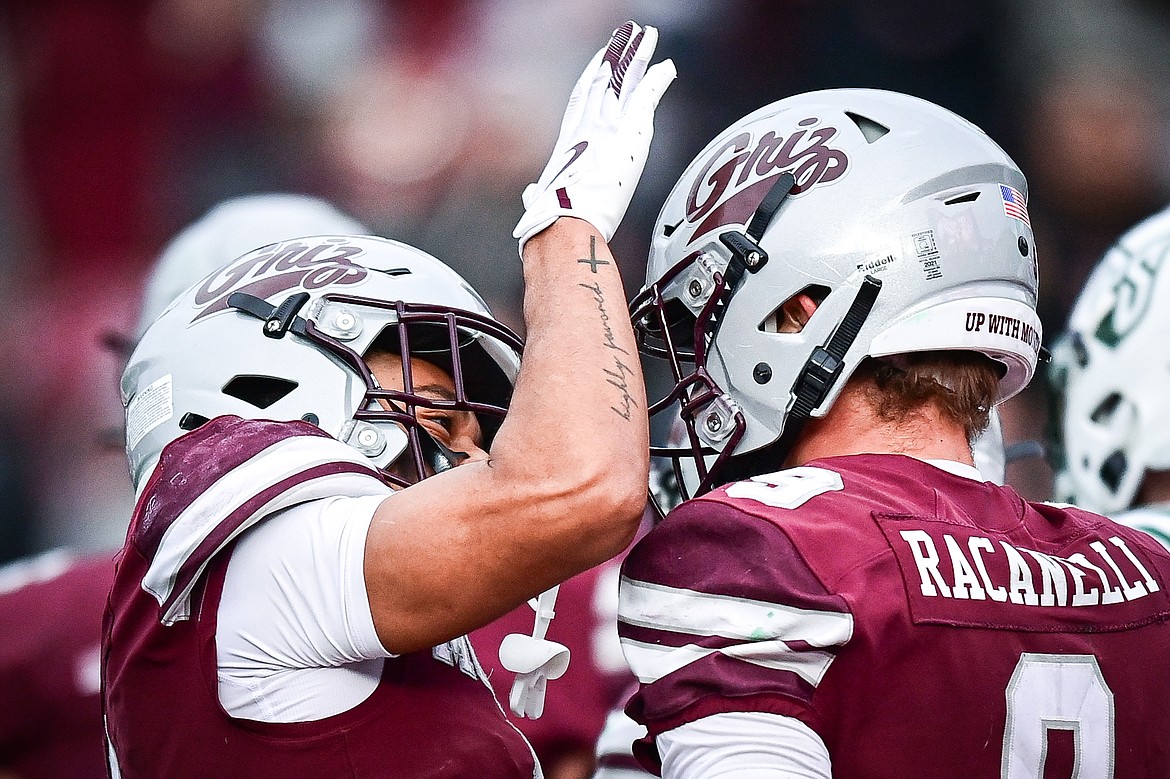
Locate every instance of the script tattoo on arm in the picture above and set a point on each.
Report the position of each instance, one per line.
(619, 374)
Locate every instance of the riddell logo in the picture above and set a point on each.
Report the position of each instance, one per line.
(803, 153)
(282, 267)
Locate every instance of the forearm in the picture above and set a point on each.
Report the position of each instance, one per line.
(565, 484)
(586, 411)
(579, 337)
(566, 481)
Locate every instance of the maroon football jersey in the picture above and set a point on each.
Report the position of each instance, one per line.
(921, 623)
(426, 718)
(577, 703)
(50, 639)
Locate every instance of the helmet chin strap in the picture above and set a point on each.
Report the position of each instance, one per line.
(278, 320)
(820, 374)
(746, 253)
(823, 367)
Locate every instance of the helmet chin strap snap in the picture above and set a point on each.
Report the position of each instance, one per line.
(747, 256)
(824, 365)
(278, 320)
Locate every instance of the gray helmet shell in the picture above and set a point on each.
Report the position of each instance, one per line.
(887, 186)
(204, 358)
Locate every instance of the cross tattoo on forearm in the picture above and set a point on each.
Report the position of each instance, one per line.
(593, 262)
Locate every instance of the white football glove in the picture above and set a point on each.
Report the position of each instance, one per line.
(604, 140)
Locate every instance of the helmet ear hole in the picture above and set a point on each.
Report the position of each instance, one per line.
(260, 391)
(774, 322)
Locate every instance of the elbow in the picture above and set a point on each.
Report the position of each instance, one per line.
(629, 516)
(587, 505)
(611, 501)
(629, 505)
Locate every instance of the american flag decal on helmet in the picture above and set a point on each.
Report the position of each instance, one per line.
(1014, 204)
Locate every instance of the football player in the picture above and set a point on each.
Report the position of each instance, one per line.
(844, 284)
(319, 522)
(1109, 440)
(613, 754)
(51, 604)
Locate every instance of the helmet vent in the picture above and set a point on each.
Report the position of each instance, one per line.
(970, 197)
(191, 421)
(260, 391)
(870, 129)
(1106, 408)
(1113, 470)
(1080, 351)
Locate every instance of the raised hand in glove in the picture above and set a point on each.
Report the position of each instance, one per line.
(604, 140)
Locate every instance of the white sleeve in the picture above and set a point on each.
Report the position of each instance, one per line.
(744, 745)
(295, 639)
(614, 754)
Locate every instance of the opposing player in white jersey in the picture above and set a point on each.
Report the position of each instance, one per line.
(1109, 430)
(319, 521)
(844, 284)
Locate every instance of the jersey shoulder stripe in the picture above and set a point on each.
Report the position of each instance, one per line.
(718, 599)
(194, 508)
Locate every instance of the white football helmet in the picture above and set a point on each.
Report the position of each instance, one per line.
(904, 221)
(228, 230)
(1110, 375)
(280, 333)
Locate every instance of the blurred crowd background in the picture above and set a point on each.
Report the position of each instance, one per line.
(123, 120)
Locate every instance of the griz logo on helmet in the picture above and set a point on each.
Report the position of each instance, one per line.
(284, 266)
(806, 154)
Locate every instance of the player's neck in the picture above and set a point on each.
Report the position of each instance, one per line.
(852, 427)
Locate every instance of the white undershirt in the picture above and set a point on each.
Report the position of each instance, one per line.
(957, 468)
(296, 640)
(744, 745)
